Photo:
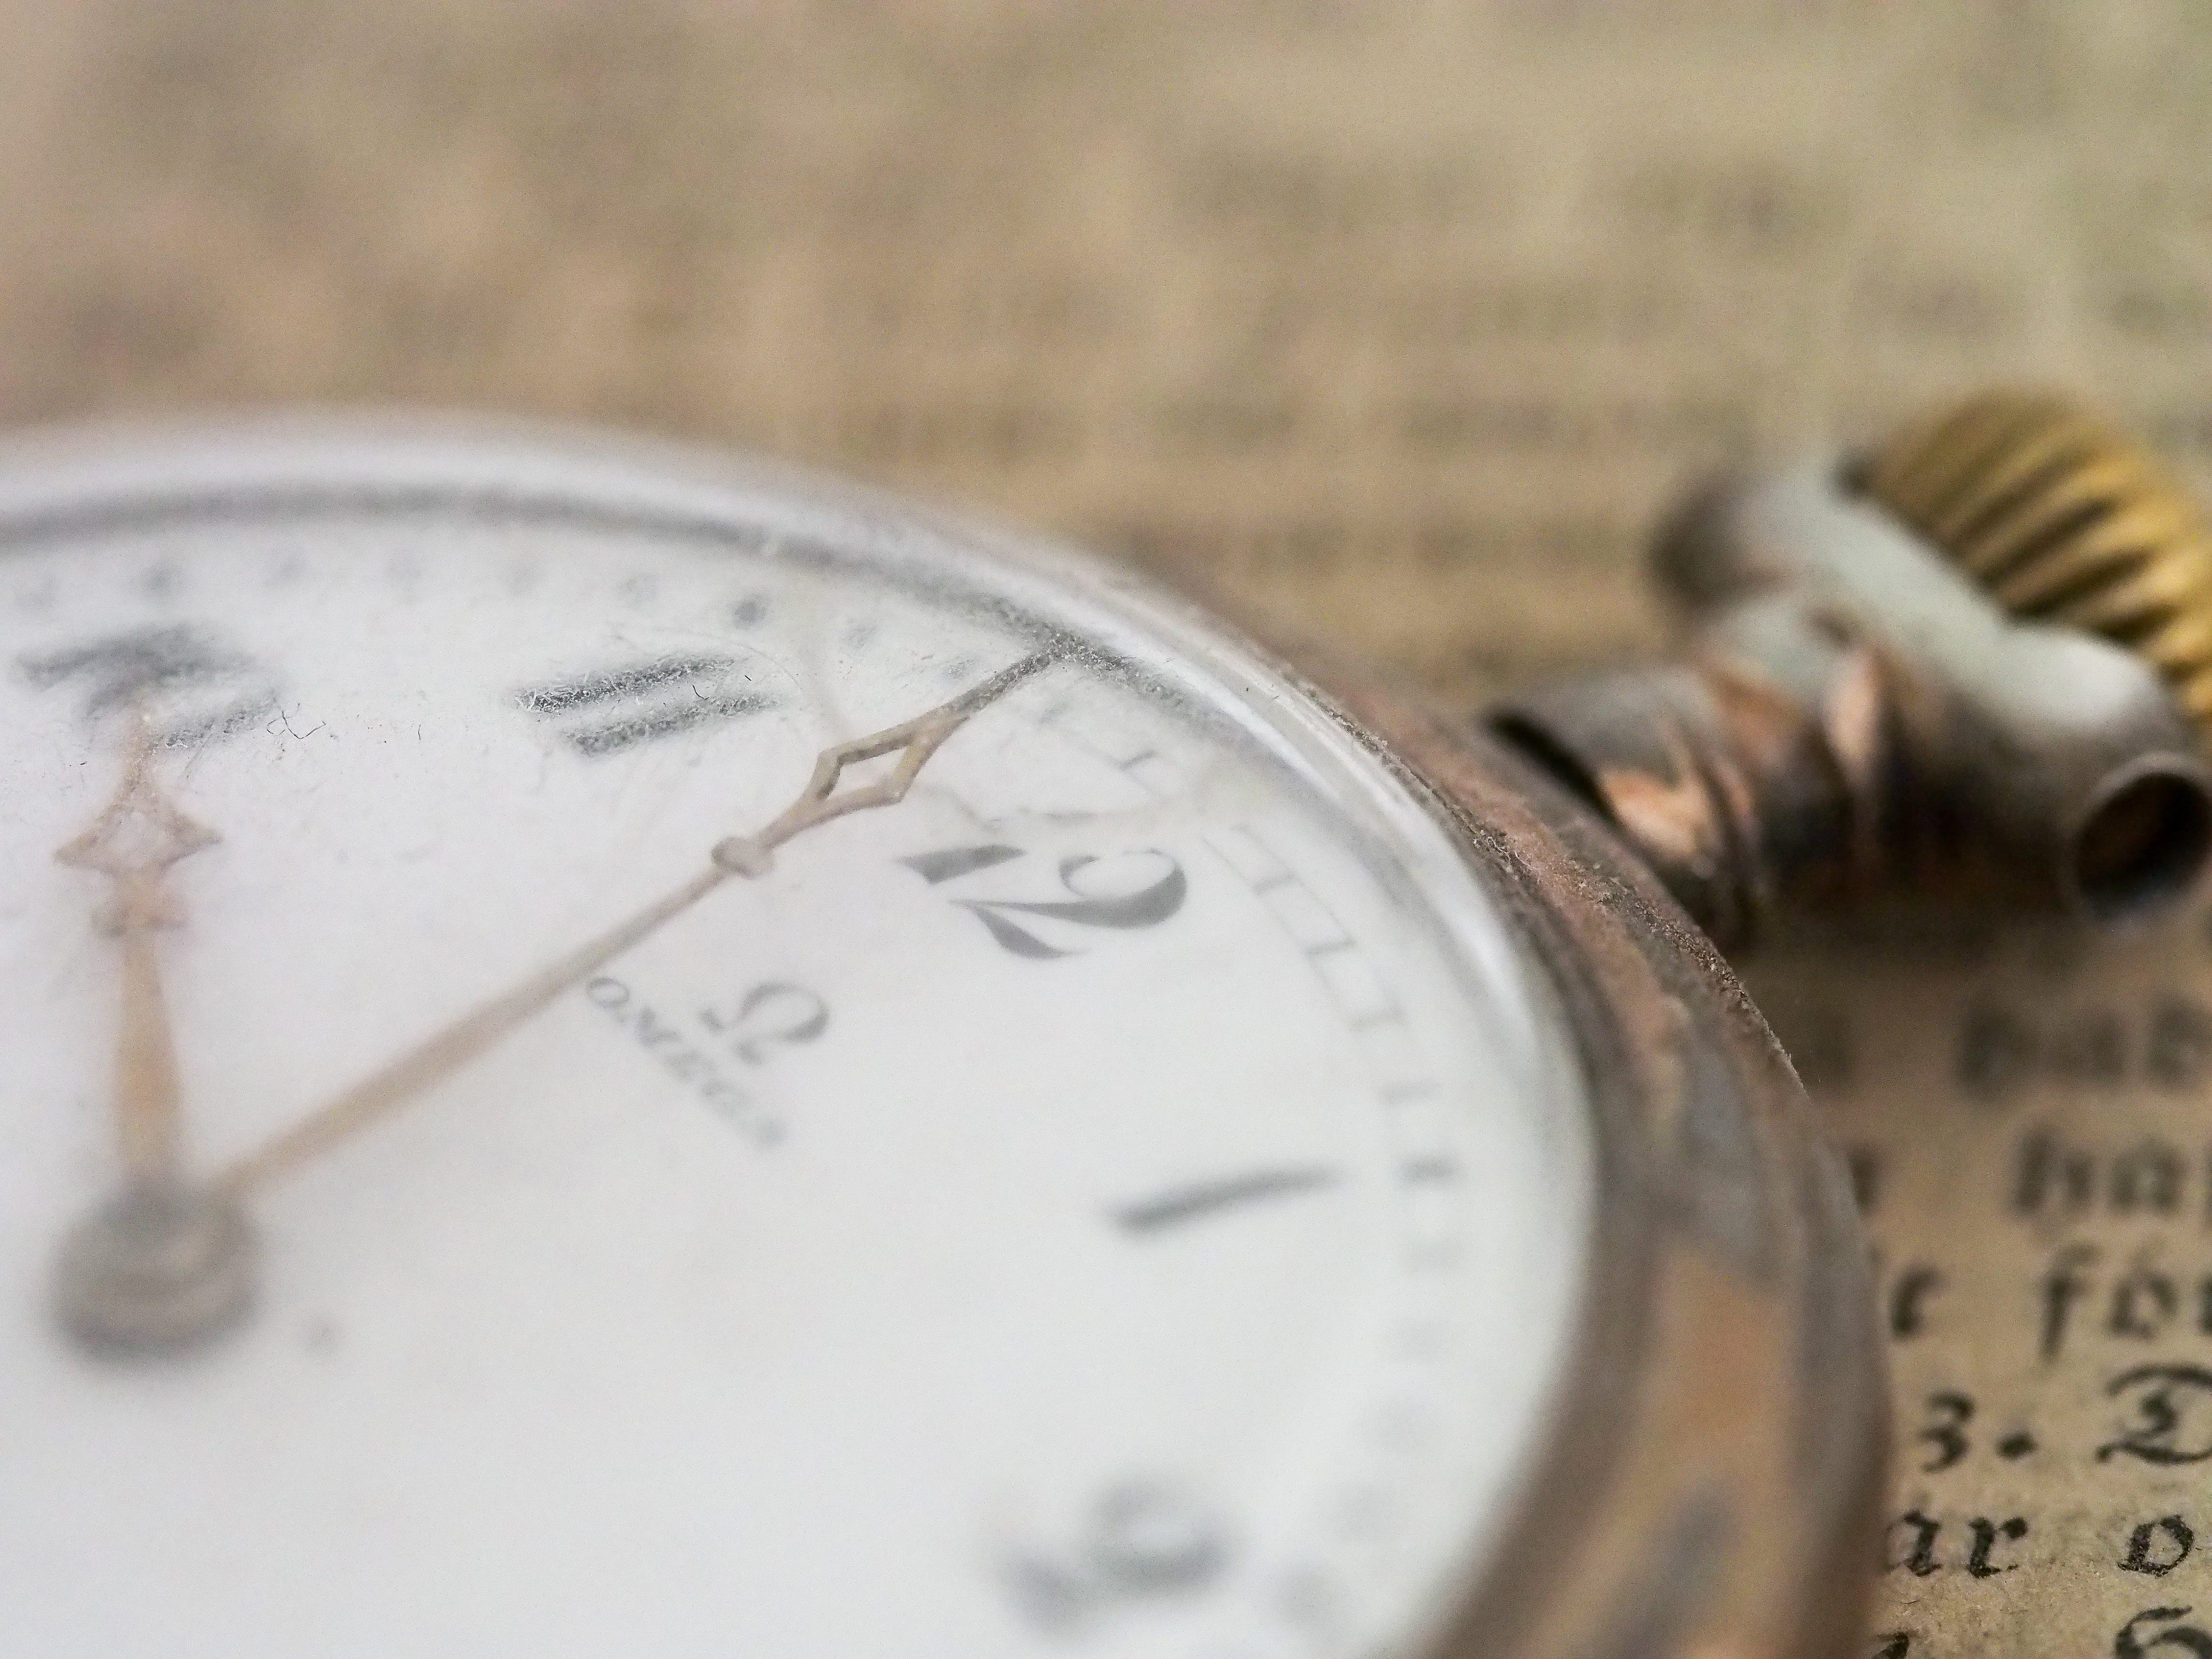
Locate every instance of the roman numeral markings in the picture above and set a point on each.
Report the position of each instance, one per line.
(189, 684)
(605, 711)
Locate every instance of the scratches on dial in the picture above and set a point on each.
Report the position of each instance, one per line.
(665, 721)
(1204, 1200)
(620, 683)
(608, 710)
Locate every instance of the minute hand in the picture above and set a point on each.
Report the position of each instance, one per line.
(384, 1091)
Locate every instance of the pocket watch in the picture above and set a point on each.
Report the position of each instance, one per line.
(615, 1052)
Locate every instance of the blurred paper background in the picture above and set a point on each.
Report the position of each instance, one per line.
(1406, 317)
(1399, 320)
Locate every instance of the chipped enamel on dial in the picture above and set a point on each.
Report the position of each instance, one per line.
(1129, 1196)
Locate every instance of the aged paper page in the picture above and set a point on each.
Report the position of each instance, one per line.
(1400, 320)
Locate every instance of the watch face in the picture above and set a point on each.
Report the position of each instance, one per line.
(508, 1152)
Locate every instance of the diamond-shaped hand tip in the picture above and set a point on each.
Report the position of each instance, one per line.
(142, 831)
(827, 796)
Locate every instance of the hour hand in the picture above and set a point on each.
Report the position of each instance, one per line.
(158, 1264)
(134, 843)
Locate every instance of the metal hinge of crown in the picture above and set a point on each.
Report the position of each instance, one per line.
(2063, 521)
(1970, 671)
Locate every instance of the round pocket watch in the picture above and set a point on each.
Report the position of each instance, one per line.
(614, 1053)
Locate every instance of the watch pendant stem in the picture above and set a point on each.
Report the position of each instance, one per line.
(1736, 797)
(1855, 720)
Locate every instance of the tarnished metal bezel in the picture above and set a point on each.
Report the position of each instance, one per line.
(1714, 1471)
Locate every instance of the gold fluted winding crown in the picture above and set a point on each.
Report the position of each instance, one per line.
(2063, 521)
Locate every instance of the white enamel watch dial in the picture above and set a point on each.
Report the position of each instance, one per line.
(491, 1170)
